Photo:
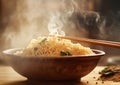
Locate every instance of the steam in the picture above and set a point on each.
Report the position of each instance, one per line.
(59, 17)
(55, 25)
(33, 18)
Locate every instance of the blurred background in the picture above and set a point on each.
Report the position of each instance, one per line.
(22, 20)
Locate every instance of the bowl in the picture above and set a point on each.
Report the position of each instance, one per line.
(52, 68)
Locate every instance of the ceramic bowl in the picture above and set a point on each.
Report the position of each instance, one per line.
(52, 68)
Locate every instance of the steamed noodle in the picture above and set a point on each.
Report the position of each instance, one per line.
(54, 46)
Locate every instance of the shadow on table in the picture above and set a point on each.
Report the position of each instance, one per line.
(46, 83)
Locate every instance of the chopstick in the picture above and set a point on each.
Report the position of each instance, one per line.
(93, 41)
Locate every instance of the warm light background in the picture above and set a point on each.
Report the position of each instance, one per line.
(22, 20)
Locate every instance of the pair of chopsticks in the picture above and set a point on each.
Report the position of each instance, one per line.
(93, 41)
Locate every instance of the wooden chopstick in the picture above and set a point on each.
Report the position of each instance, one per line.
(93, 41)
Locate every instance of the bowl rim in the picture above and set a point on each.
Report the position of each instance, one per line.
(10, 52)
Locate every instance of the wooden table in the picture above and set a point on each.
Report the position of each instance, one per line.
(9, 77)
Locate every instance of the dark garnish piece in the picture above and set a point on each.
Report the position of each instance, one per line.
(65, 53)
(43, 40)
(110, 73)
(107, 72)
(35, 48)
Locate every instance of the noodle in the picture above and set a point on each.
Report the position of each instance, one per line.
(54, 46)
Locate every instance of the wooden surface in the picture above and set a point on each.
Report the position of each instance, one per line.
(9, 77)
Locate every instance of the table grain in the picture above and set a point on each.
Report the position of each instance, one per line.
(9, 77)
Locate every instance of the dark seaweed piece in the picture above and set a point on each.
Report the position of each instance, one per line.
(110, 73)
(65, 53)
(107, 72)
(35, 48)
(43, 40)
